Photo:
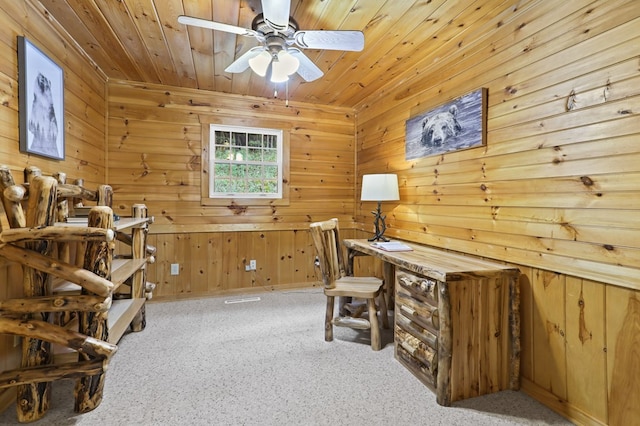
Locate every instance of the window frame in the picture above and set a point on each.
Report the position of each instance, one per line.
(206, 152)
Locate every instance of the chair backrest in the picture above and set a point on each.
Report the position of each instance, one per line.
(326, 238)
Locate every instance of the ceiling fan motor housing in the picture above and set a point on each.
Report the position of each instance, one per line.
(263, 27)
(275, 43)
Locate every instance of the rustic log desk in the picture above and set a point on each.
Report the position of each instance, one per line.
(457, 321)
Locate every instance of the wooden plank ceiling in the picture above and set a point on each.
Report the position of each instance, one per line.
(141, 40)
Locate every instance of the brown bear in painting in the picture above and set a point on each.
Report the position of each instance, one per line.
(437, 128)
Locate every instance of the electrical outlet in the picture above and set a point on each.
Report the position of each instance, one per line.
(175, 268)
(253, 265)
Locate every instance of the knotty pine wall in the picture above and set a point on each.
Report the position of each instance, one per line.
(154, 156)
(84, 96)
(84, 123)
(554, 191)
(560, 195)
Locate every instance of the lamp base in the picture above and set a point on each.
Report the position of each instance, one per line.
(379, 225)
(378, 238)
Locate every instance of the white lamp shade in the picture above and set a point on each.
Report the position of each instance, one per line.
(380, 187)
(260, 63)
(286, 65)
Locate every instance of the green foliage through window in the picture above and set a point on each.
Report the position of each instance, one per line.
(246, 162)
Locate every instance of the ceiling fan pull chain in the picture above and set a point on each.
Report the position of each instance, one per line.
(286, 100)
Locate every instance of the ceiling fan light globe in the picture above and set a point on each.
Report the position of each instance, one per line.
(283, 66)
(288, 62)
(260, 63)
(278, 73)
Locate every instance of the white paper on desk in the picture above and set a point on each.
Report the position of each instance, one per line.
(80, 219)
(391, 246)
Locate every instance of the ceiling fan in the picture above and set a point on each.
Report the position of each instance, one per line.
(280, 55)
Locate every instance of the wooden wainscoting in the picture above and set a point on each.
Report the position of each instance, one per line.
(578, 341)
(213, 263)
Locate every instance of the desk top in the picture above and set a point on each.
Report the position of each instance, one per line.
(435, 263)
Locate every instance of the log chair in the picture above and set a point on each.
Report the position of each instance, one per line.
(326, 238)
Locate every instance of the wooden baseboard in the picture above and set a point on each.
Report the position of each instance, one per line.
(239, 291)
(560, 406)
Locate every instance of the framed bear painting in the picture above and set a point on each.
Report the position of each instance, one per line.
(41, 102)
(458, 124)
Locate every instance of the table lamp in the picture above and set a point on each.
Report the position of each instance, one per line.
(379, 187)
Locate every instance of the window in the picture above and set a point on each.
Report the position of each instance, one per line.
(247, 164)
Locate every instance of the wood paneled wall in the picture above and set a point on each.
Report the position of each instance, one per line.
(84, 125)
(84, 96)
(554, 187)
(555, 190)
(154, 157)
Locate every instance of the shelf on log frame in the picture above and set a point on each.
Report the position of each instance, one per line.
(121, 314)
(121, 270)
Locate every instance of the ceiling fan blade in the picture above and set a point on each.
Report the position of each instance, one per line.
(212, 25)
(333, 40)
(242, 63)
(276, 13)
(307, 69)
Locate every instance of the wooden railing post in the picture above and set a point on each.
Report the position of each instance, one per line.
(97, 259)
(33, 398)
(64, 249)
(139, 279)
(11, 203)
(105, 196)
(30, 173)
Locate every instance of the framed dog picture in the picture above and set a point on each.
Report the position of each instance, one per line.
(458, 124)
(41, 102)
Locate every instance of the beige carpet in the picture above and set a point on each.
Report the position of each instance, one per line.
(210, 362)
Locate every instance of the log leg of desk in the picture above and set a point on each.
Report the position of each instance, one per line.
(445, 350)
(350, 255)
(389, 276)
(514, 330)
